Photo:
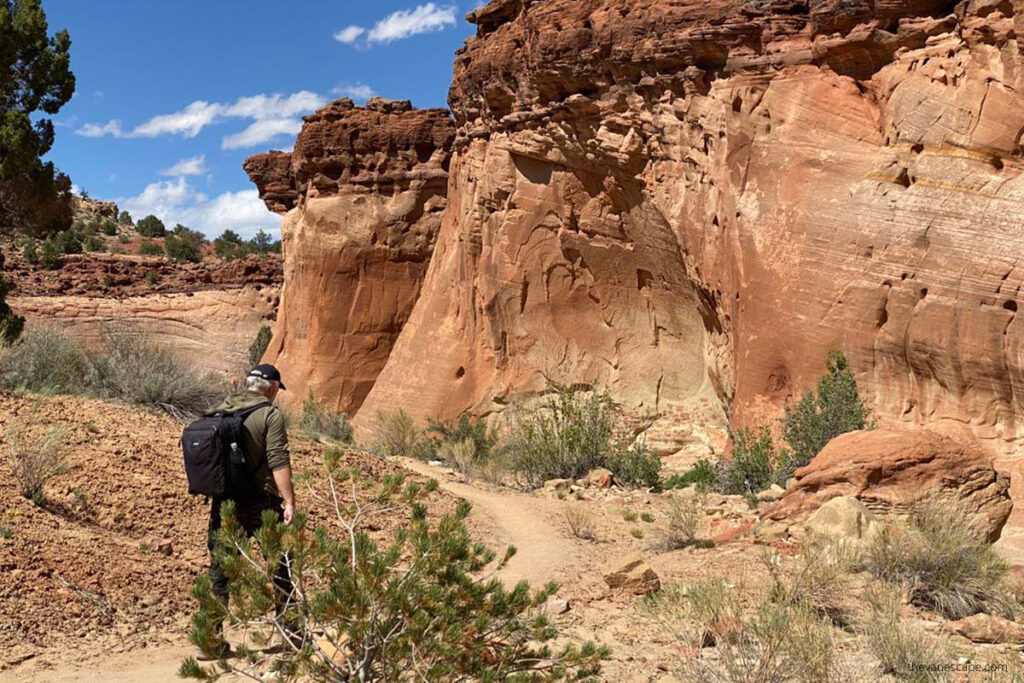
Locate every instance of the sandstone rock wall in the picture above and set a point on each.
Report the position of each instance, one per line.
(363, 194)
(211, 330)
(692, 202)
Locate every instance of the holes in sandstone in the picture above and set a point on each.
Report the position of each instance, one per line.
(1010, 305)
(917, 149)
(924, 292)
(903, 179)
(461, 372)
(998, 164)
(644, 278)
(737, 104)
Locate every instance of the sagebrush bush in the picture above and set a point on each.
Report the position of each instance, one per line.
(45, 361)
(818, 579)
(148, 248)
(320, 422)
(903, 650)
(34, 458)
(636, 466)
(942, 563)
(259, 345)
(133, 369)
(703, 475)
(396, 432)
(684, 523)
(410, 608)
(820, 416)
(440, 432)
(566, 436)
(580, 522)
(755, 465)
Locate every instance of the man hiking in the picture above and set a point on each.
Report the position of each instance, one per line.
(267, 484)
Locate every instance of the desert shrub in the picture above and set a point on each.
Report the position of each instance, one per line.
(30, 252)
(409, 608)
(703, 475)
(151, 226)
(581, 522)
(461, 455)
(465, 427)
(34, 458)
(318, 422)
(636, 466)
(903, 650)
(184, 245)
(776, 642)
(125, 218)
(396, 432)
(49, 256)
(109, 227)
(43, 360)
(6, 532)
(93, 243)
(259, 345)
(68, 242)
(230, 246)
(820, 416)
(817, 580)
(942, 563)
(152, 277)
(684, 523)
(565, 437)
(261, 242)
(135, 370)
(755, 464)
(148, 248)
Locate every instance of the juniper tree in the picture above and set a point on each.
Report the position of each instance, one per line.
(408, 607)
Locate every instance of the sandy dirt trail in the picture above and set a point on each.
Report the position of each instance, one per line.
(532, 524)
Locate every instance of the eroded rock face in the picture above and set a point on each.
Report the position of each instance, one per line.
(691, 203)
(890, 471)
(364, 191)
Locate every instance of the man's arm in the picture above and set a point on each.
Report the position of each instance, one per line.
(283, 479)
(279, 461)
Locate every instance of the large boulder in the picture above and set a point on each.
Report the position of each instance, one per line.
(842, 519)
(889, 470)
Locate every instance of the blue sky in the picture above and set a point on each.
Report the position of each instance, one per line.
(173, 96)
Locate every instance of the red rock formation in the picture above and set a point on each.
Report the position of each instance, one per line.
(365, 189)
(692, 202)
(891, 470)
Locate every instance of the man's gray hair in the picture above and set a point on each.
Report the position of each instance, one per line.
(258, 384)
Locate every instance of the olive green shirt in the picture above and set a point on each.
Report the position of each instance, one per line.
(264, 435)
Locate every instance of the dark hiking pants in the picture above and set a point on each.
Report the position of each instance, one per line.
(249, 513)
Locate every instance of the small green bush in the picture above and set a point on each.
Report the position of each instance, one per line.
(93, 243)
(44, 360)
(565, 437)
(230, 246)
(184, 245)
(703, 475)
(125, 218)
(151, 226)
(754, 465)
(148, 248)
(30, 252)
(67, 242)
(49, 256)
(834, 409)
(109, 227)
(34, 459)
(636, 467)
(319, 422)
(259, 345)
(465, 427)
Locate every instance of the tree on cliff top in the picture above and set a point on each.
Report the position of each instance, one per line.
(35, 76)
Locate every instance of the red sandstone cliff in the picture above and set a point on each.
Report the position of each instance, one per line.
(363, 190)
(691, 202)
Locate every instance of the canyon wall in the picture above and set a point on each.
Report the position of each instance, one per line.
(363, 193)
(690, 203)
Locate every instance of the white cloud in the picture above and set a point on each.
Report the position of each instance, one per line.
(349, 34)
(278, 114)
(402, 24)
(192, 166)
(262, 131)
(359, 91)
(96, 130)
(175, 201)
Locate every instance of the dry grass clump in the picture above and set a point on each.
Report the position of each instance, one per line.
(903, 650)
(44, 360)
(684, 523)
(320, 422)
(396, 432)
(34, 459)
(773, 641)
(818, 580)
(581, 522)
(942, 563)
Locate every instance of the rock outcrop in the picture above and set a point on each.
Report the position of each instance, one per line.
(890, 471)
(691, 203)
(364, 190)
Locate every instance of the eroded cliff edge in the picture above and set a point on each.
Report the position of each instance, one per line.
(363, 192)
(691, 202)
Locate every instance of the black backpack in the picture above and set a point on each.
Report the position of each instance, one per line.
(215, 460)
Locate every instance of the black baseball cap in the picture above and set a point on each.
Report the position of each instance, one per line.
(267, 371)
